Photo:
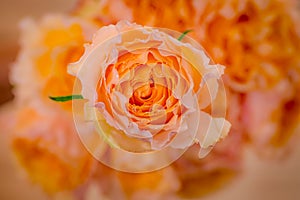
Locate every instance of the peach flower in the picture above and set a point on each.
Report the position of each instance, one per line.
(150, 90)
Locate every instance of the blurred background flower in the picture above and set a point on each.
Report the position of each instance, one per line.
(259, 43)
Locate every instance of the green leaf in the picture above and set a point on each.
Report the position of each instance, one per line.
(183, 34)
(66, 98)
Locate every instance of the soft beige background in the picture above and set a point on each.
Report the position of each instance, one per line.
(261, 180)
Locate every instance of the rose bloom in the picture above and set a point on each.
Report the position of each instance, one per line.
(43, 135)
(149, 90)
(257, 40)
(225, 159)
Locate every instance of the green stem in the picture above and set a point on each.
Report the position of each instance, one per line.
(183, 34)
(66, 98)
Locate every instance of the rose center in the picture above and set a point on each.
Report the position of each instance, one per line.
(143, 93)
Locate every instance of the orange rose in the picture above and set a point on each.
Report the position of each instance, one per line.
(147, 91)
